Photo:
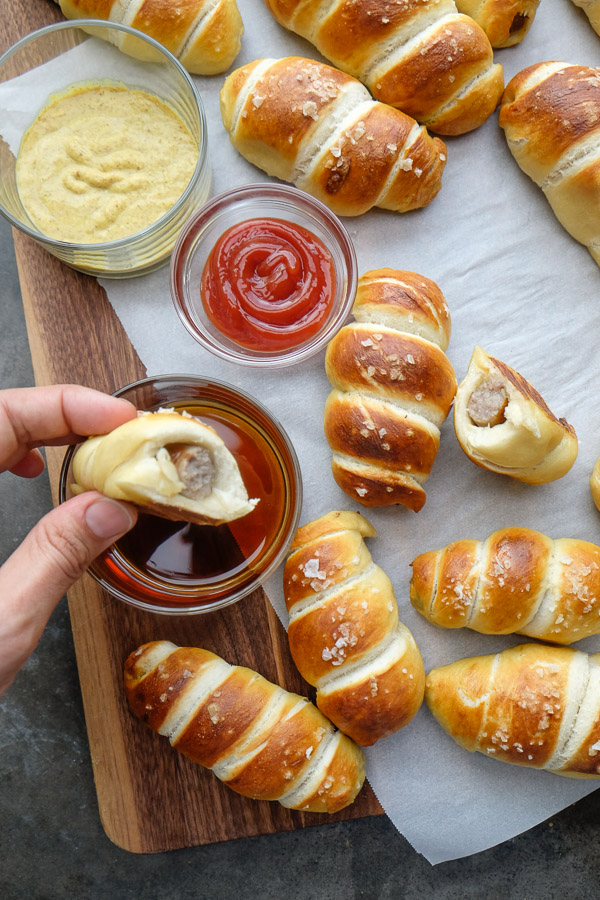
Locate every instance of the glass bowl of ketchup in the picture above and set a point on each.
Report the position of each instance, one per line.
(180, 568)
(263, 275)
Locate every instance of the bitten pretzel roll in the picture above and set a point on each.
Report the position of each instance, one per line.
(260, 740)
(551, 119)
(307, 123)
(592, 10)
(504, 425)
(505, 22)
(420, 56)
(531, 705)
(518, 580)
(204, 35)
(393, 386)
(168, 463)
(344, 633)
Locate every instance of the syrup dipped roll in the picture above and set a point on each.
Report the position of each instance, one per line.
(164, 564)
(169, 463)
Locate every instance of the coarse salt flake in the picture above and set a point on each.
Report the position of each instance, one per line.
(309, 109)
(311, 569)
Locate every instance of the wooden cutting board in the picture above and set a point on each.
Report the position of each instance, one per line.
(150, 797)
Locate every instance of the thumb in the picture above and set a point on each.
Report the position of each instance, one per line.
(55, 553)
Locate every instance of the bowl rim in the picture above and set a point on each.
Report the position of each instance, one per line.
(226, 199)
(257, 581)
(202, 149)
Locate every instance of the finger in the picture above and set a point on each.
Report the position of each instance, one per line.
(30, 466)
(32, 417)
(51, 558)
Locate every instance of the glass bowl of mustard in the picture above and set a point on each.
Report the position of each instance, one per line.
(103, 146)
(181, 568)
(263, 275)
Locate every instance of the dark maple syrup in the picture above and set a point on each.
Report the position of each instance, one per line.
(168, 563)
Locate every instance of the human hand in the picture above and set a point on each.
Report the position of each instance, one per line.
(64, 542)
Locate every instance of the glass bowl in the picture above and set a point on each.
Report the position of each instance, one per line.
(180, 568)
(82, 53)
(258, 201)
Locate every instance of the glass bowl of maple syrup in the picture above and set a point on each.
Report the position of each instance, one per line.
(182, 568)
(263, 275)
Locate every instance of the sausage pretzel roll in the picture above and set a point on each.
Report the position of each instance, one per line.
(204, 35)
(393, 386)
(420, 56)
(550, 114)
(595, 483)
(504, 425)
(260, 740)
(517, 581)
(592, 10)
(313, 126)
(344, 632)
(531, 705)
(168, 463)
(505, 22)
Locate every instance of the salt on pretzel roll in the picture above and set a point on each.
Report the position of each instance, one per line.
(311, 125)
(532, 705)
(550, 114)
(517, 581)
(393, 386)
(504, 425)
(592, 10)
(168, 463)
(344, 632)
(505, 22)
(420, 56)
(259, 739)
(204, 35)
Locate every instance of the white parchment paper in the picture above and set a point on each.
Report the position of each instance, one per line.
(517, 284)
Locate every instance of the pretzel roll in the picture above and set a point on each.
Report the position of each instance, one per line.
(504, 425)
(595, 483)
(260, 740)
(344, 632)
(592, 10)
(517, 581)
(420, 56)
(505, 22)
(204, 35)
(392, 389)
(311, 125)
(550, 114)
(531, 705)
(170, 464)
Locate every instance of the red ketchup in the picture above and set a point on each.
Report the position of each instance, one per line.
(268, 284)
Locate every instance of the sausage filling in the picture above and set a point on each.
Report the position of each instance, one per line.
(519, 21)
(195, 469)
(487, 403)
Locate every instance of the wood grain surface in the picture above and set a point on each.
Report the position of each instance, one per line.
(150, 797)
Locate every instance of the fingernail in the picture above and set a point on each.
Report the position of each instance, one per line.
(107, 518)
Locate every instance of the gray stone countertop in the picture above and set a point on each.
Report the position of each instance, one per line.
(52, 844)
